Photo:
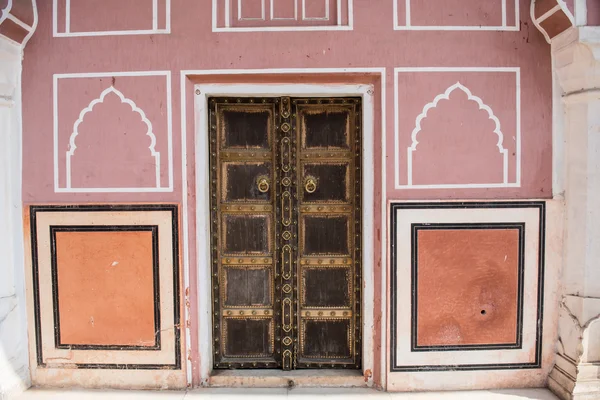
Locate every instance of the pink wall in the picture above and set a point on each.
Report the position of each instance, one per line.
(498, 119)
(593, 12)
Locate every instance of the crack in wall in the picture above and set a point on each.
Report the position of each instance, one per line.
(581, 327)
(575, 319)
(3, 318)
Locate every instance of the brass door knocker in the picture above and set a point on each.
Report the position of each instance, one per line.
(263, 184)
(310, 184)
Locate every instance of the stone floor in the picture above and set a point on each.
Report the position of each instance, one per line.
(268, 394)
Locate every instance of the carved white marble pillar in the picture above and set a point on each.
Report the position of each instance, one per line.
(14, 366)
(576, 374)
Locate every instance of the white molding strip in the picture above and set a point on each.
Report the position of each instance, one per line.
(225, 9)
(581, 12)
(202, 219)
(412, 148)
(153, 24)
(408, 25)
(72, 146)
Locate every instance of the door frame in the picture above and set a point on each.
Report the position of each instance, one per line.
(201, 132)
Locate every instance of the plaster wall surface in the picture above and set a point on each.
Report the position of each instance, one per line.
(459, 114)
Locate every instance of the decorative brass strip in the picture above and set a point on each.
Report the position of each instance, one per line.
(244, 155)
(286, 323)
(328, 156)
(316, 313)
(286, 208)
(245, 208)
(286, 262)
(247, 260)
(247, 312)
(287, 360)
(286, 153)
(287, 232)
(326, 209)
(325, 262)
(285, 107)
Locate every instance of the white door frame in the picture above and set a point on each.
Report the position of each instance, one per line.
(202, 92)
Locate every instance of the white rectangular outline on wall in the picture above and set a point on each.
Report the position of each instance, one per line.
(262, 12)
(325, 18)
(228, 28)
(272, 14)
(408, 26)
(153, 31)
(202, 219)
(517, 183)
(167, 75)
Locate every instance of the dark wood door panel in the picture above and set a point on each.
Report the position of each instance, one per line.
(286, 232)
(332, 181)
(241, 181)
(329, 222)
(243, 231)
(245, 125)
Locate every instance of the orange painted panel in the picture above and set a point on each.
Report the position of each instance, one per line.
(467, 286)
(105, 288)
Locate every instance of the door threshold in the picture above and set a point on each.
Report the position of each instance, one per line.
(271, 378)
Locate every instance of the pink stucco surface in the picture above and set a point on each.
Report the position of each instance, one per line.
(112, 140)
(455, 127)
(458, 140)
(593, 12)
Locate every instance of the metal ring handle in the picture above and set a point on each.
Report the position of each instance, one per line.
(310, 184)
(263, 184)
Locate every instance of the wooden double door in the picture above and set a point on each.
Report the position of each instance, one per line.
(285, 193)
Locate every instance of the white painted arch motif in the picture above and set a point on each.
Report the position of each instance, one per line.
(512, 163)
(446, 96)
(134, 108)
(162, 128)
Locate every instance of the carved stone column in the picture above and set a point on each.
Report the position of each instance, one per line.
(576, 374)
(14, 367)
